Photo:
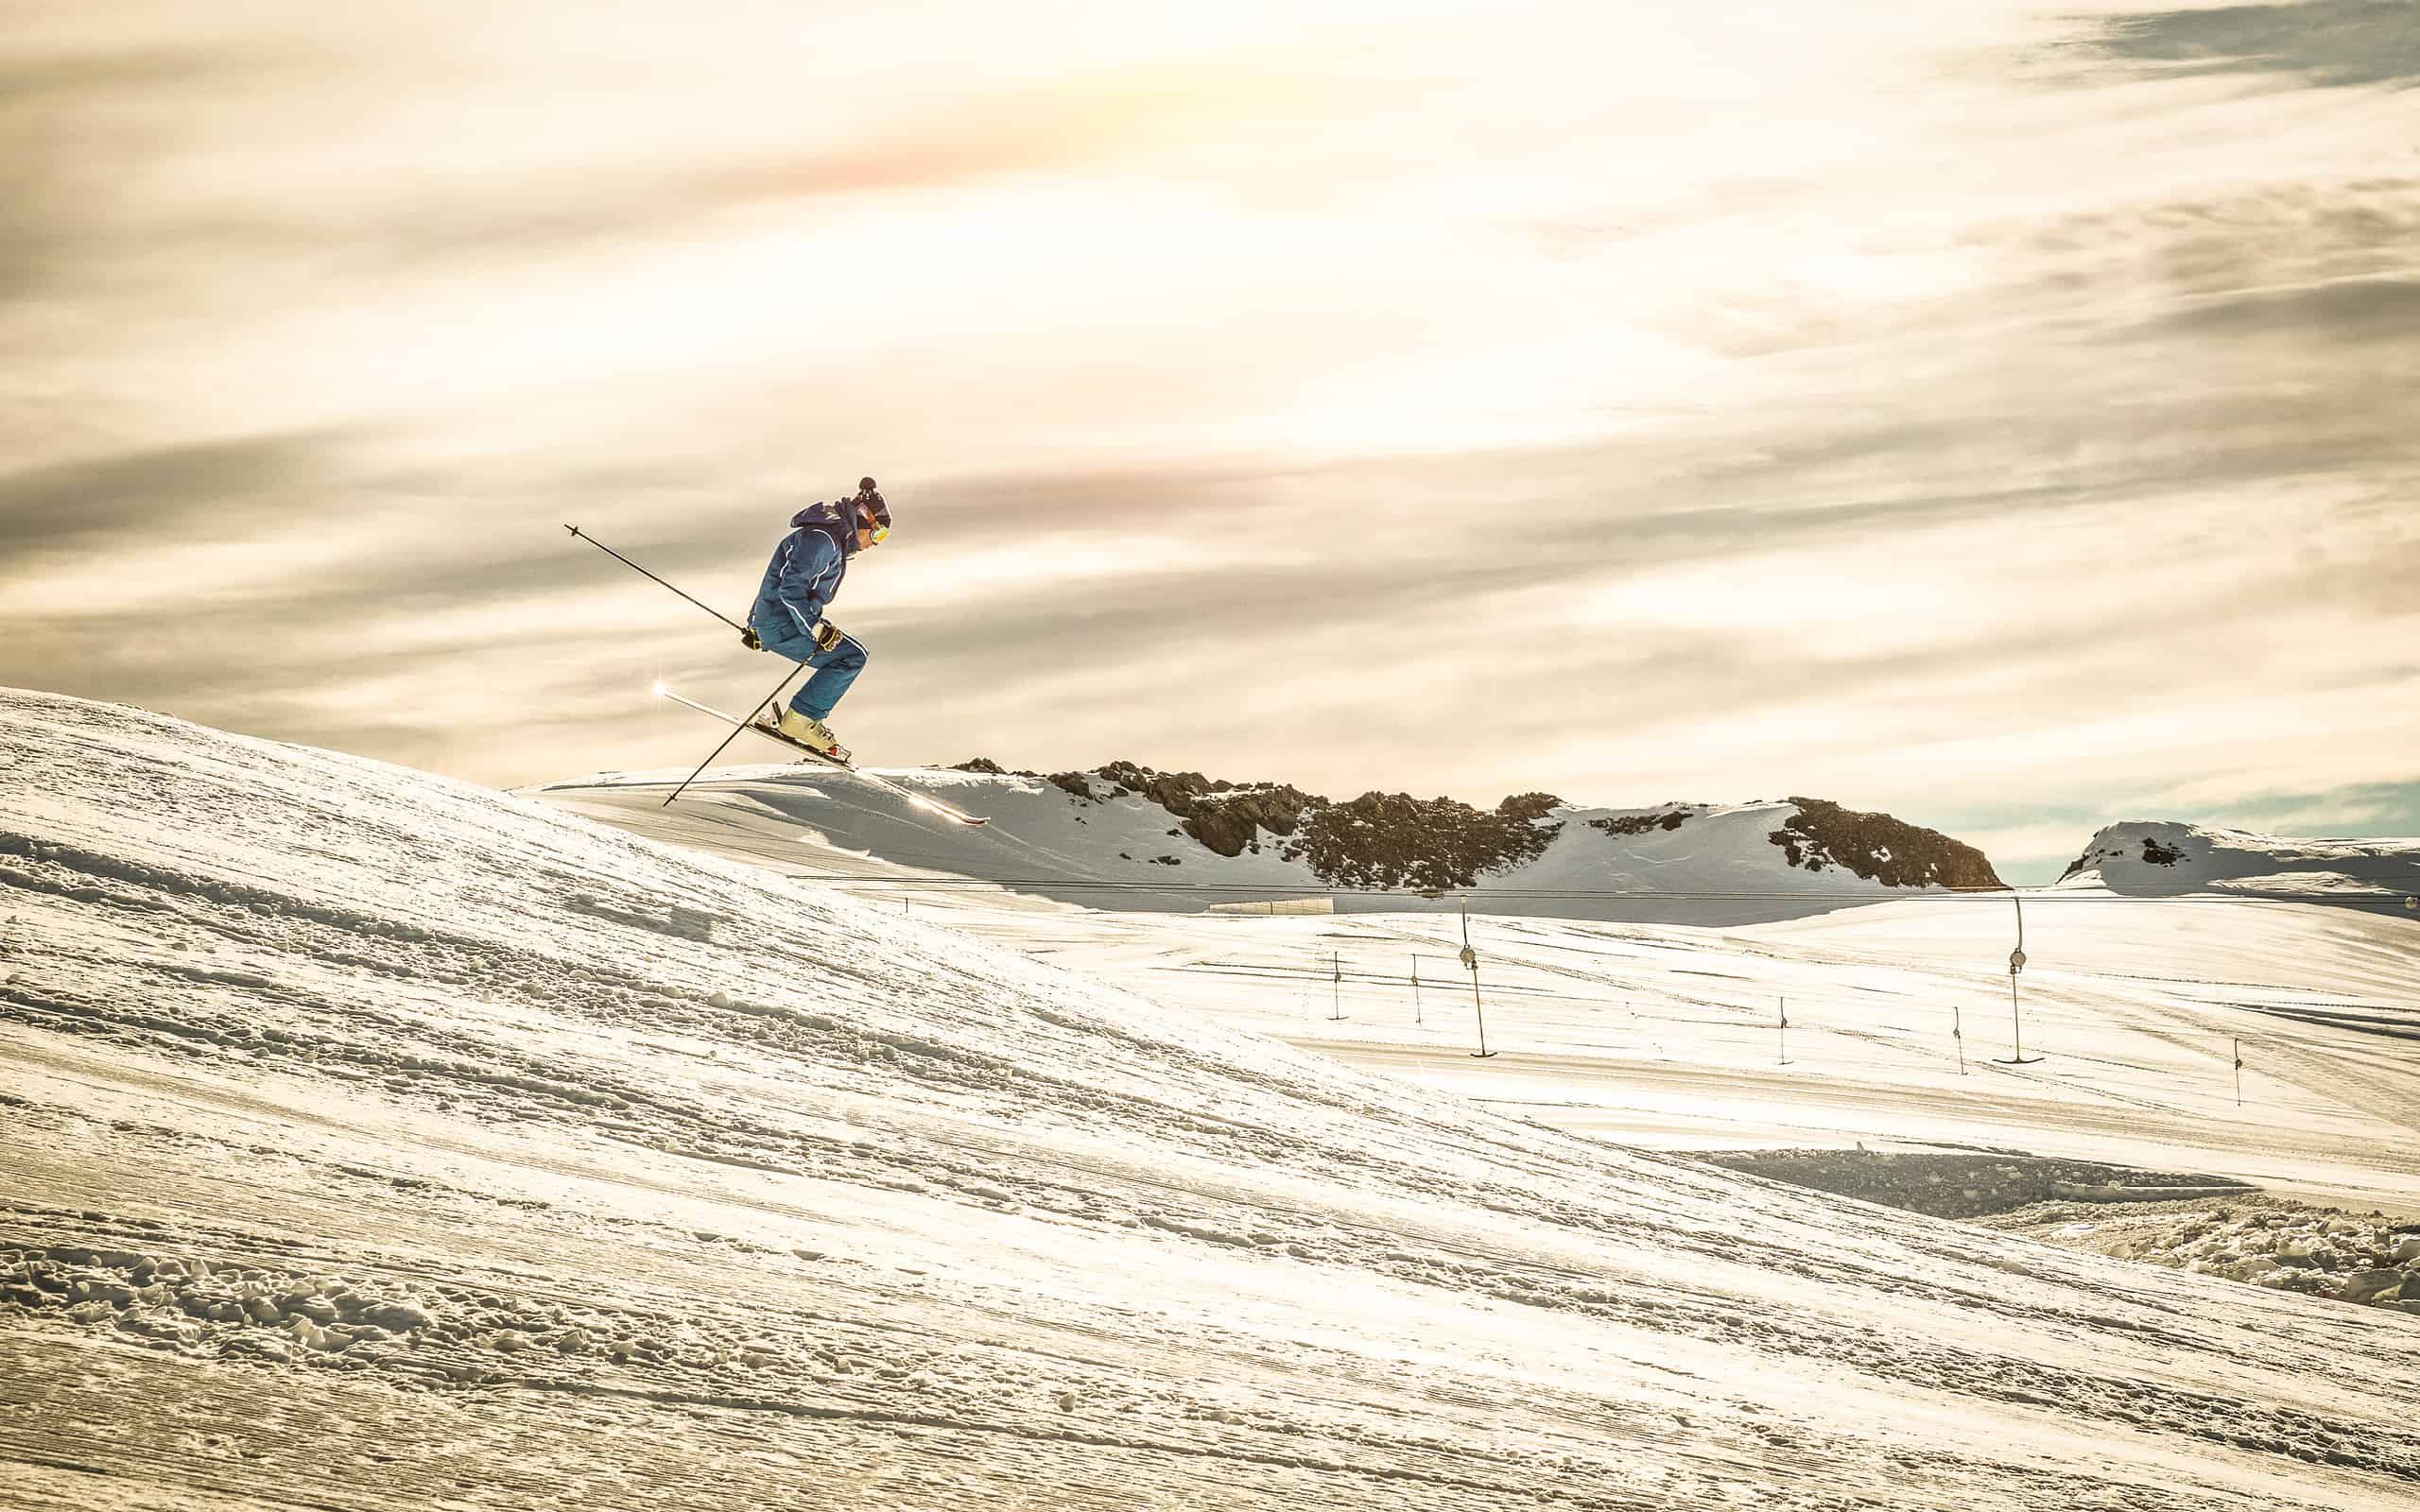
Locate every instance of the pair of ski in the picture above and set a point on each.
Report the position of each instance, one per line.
(761, 722)
(760, 725)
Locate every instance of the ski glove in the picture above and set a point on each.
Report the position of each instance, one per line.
(827, 635)
(748, 638)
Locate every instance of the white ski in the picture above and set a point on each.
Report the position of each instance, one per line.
(956, 816)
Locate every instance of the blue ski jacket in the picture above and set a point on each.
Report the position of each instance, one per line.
(805, 572)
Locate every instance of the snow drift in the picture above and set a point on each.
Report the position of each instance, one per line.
(373, 1140)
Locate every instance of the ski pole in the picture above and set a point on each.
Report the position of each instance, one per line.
(735, 729)
(642, 572)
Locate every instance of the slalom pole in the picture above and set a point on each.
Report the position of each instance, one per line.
(1335, 987)
(609, 551)
(734, 734)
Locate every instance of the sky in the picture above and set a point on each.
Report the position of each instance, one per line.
(2004, 416)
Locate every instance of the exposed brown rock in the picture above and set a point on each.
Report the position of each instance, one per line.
(1641, 823)
(1395, 840)
(1880, 849)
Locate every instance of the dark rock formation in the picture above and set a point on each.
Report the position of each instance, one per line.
(1528, 805)
(2160, 855)
(1075, 785)
(1227, 817)
(1395, 840)
(1641, 823)
(1880, 849)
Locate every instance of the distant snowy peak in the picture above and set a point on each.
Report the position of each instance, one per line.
(2167, 858)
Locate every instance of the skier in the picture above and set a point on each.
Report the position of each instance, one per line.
(787, 618)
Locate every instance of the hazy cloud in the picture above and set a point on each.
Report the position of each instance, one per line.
(2359, 311)
(2329, 41)
(158, 491)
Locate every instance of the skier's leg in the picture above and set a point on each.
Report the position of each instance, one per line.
(834, 671)
(783, 639)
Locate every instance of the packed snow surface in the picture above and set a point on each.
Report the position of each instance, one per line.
(374, 1141)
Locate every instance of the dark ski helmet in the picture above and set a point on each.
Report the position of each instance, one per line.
(871, 513)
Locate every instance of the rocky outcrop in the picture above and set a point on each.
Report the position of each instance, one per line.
(1395, 840)
(1880, 849)
(2153, 852)
(1529, 805)
(1376, 841)
(1672, 818)
(1227, 817)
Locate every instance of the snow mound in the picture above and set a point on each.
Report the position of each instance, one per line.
(2169, 859)
(1128, 837)
(370, 1139)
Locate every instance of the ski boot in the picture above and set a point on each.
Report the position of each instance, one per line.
(814, 735)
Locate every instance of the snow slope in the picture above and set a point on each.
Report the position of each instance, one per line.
(1720, 859)
(2155, 860)
(374, 1141)
(1666, 1034)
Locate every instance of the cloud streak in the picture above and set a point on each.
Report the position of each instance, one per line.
(2328, 42)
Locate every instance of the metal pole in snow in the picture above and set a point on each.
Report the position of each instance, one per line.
(2238, 1073)
(2016, 1028)
(1335, 987)
(1470, 959)
(1783, 1027)
(1416, 1019)
(2016, 964)
(1958, 1033)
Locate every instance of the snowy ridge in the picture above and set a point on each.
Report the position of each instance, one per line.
(1691, 862)
(2166, 859)
(370, 1137)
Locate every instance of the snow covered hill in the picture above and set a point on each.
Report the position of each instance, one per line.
(1125, 836)
(1664, 1034)
(2156, 860)
(369, 1140)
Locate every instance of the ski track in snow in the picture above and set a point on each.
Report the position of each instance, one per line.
(369, 1139)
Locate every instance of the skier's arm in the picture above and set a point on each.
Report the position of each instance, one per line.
(807, 564)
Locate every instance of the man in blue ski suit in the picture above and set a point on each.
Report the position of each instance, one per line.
(787, 617)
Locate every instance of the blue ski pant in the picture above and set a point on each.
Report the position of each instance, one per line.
(833, 669)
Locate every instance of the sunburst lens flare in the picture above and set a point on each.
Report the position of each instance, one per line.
(660, 690)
